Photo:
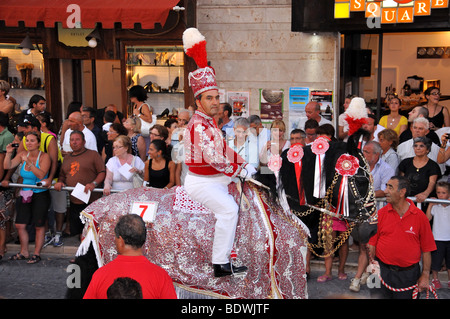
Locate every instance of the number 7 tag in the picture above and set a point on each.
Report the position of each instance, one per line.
(147, 210)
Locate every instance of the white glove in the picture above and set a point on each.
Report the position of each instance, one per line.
(247, 172)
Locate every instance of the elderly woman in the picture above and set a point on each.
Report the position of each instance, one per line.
(242, 144)
(117, 175)
(138, 147)
(388, 140)
(421, 171)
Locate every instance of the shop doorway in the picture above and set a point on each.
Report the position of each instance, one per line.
(101, 83)
(95, 83)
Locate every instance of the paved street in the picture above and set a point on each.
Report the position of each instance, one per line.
(47, 280)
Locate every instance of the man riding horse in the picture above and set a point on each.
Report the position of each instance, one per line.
(211, 162)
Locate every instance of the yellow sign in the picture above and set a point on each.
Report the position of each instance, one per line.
(388, 11)
(74, 37)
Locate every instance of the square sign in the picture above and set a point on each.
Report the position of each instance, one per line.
(147, 210)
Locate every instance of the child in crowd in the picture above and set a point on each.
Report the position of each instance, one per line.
(441, 232)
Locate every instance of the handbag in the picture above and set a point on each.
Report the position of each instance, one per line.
(138, 181)
(145, 128)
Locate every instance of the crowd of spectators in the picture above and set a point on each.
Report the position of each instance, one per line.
(105, 149)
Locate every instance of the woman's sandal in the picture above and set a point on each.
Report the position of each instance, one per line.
(323, 278)
(34, 259)
(18, 256)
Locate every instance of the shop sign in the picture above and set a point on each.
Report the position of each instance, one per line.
(74, 37)
(388, 11)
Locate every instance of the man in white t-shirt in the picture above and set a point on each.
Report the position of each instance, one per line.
(76, 124)
(258, 133)
(312, 110)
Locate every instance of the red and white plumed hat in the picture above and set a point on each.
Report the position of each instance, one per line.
(203, 79)
(356, 115)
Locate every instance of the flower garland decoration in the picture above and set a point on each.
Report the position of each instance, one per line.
(295, 155)
(346, 165)
(274, 164)
(319, 147)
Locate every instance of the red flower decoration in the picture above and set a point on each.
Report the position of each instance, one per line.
(347, 165)
(320, 145)
(295, 153)
(274, 163)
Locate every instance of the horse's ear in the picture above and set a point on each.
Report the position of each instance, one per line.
(354, 141)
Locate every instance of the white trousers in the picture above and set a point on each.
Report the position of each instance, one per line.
(212, 192)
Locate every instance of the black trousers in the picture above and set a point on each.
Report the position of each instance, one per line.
(396, 277)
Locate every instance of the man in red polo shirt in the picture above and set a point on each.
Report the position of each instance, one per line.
(403, 238)
(130, 235)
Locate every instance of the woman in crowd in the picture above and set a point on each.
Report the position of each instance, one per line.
(160, 132)
(6, 105)
(159, 169)
(33, 203)
(171, 125)
(394, 120)
(277, 143)
(114, 131)
(242, 144)
(388, 140)
(133, 125)
(122, 156)
(438, 115)
(142, 110)
(46, 123)
(421, 171)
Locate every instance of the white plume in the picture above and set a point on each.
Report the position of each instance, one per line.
(191, 37)
(357, 108)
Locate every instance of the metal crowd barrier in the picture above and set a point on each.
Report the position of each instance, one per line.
(66, 188)
(100, 190)
(419, 205)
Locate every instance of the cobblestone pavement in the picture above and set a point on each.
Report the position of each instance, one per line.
(47, 280)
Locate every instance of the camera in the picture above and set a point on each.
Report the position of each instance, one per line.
(447, 136)
(15, 145)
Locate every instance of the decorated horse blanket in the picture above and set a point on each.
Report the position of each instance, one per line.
(270, 241)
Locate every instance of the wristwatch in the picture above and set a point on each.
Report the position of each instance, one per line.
(95, 183)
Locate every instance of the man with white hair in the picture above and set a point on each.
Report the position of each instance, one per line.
(418, 111)
(419, 128)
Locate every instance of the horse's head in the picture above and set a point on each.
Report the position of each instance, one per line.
(353, 191)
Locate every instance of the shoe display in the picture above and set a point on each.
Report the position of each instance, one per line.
(355, 285)
(227, 270)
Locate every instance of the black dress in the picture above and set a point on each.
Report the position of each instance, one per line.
(158, 178)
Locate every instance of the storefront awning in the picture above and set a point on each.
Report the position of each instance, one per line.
(86, 12)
